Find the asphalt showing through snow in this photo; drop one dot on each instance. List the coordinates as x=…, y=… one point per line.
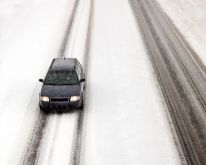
x=68, y=30
x=34, y=146
x=181, y=76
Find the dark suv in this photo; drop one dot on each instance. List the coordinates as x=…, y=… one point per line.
x=63, y=86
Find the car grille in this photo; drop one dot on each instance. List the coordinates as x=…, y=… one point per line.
x=59, y=99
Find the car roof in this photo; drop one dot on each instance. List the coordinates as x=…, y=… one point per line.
x=63, y=64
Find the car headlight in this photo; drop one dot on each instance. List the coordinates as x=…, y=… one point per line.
x=44, y=98
x=74, y=98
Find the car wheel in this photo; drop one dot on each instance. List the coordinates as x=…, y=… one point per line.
x=82, y=103
x=44, y=110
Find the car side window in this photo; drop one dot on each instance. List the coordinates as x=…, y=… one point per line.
x=78, y=70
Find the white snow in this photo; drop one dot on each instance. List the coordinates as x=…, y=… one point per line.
x=126, y=118
x=189, y=17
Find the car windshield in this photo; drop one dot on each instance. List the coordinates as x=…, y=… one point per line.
x=61, y=78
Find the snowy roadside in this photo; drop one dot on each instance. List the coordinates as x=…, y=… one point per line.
x=189, y=17
x=31, y=36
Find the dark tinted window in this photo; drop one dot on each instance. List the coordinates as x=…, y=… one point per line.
x=61, y=78
x=79, y=70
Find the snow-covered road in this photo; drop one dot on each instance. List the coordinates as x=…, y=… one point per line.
x=104, y=112
x=58, y=136
x=181, y=75
x=125, y=120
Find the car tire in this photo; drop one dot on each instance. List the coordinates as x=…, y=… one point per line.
x=82, y=103
x=44, y=110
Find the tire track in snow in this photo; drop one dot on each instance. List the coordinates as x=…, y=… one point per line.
x=77, y=139
x=68, y=30
x=34, y=145
x=181, y=76
x=33, y=149
x=77, y=145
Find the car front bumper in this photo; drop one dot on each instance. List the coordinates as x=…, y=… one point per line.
x=63, y=105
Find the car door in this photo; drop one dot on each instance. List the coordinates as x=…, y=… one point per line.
x=80, y=74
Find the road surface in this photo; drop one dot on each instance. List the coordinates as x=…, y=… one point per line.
x=181, y=76
x=145, y=94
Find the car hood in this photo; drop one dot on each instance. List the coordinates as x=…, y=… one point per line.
x=60, y=90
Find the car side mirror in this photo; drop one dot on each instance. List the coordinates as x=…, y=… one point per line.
x=41, y=80
x=82, y=80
